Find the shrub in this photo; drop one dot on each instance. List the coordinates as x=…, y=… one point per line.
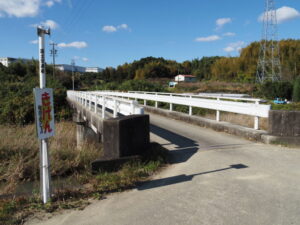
x=272, y=90
x=296, y=90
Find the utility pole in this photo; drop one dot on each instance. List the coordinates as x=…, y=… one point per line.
x=53, y=53
x=44, y=164
x=73, y=79
x=269, y=67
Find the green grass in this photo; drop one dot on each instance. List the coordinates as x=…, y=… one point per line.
x=295, y=106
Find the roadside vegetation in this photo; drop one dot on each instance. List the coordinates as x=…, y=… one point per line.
x=73, y=181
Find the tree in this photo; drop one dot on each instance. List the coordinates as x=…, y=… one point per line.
x=296, y=90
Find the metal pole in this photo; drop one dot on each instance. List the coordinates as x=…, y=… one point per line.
x=44, y=164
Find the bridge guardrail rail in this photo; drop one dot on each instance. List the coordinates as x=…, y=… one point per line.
x=246, y=106
x=92, y=101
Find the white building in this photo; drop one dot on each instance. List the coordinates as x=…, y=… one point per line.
x=93, y=70
x=185, y=78
x=6, y=61
x=69, y=68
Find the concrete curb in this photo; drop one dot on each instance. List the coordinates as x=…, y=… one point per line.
x=270, y=139
x=222, y=126
x=245, y=132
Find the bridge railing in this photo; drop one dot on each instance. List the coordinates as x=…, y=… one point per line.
x=225, y=104
x=204, y=95
x=92, y=101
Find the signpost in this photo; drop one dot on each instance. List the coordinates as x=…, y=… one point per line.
x=44, y=115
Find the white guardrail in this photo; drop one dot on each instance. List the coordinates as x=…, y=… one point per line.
x=246, y=106
x=93, y=100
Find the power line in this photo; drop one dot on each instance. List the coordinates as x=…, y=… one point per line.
x=79, y=12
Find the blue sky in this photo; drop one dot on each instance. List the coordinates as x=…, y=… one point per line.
x=110, y=33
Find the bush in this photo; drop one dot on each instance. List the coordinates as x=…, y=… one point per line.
x=272, y=90
x=141, y=85
x=296, y=90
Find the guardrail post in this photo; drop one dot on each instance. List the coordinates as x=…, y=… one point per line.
x=256, y=122
x=103, y=107
x=218, y=113
x=256, y=119
x=132, y=108
x=115, y=108
x=145, y=102
x=171, y=107
x=85, y=100
x=96, y=103
x=90, y=105
x=156, y=103
x=190, y=109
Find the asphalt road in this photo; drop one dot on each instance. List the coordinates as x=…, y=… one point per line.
x=215, y=179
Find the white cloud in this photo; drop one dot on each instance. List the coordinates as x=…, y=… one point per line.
x=123, y=26
x=111, y=28
x=34, y=42
x=50, y=3
x=85, y=59
x=229, y=34
x=75, y=44
x=284, y=14
x=19, y=8
x=50, y=23
x=47, y=24
x=222, y=21
x=208, y=39
x=234, y=47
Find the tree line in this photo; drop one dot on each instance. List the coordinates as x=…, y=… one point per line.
x=234, y=69
x=18, y=79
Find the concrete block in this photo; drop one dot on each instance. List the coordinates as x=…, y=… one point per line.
x=125, y=136
x=289, y=141
x=284, y=123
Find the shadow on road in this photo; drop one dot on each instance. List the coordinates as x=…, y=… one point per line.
x=181, y=178
x=185, y=147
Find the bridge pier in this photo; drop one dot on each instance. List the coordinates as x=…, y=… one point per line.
x=84, y=131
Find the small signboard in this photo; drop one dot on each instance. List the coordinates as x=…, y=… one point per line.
x=44, y=112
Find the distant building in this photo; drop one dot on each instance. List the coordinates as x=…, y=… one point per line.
x=185, y=78
x=69, y=68
x=6, y=61
x=93, y=70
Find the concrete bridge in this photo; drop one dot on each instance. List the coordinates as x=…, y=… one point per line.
x=214, y=178
x=93, y=110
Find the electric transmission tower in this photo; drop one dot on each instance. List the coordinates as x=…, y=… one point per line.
x=269, y=67
x=53, y=53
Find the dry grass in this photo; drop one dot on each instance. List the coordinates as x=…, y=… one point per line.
x=216, y=86
x=19, y=154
